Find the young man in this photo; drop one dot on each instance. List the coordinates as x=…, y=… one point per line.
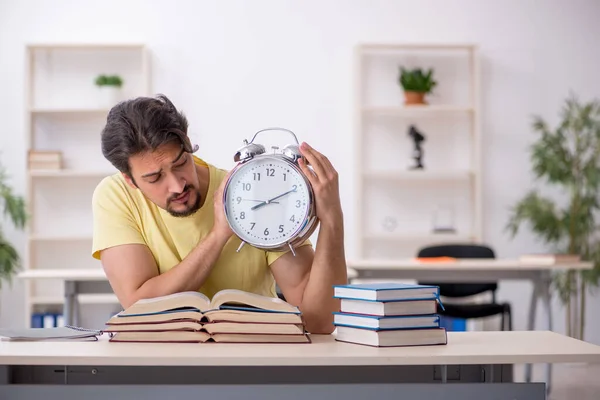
x=160, y=228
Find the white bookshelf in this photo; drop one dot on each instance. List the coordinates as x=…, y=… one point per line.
x=65, y=112
x=396, y=205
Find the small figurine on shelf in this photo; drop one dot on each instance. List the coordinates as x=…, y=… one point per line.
x=418, y=150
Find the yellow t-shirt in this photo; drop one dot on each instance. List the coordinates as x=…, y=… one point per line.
x=123, y=215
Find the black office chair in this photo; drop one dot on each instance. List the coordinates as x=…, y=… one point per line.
x=457, y=290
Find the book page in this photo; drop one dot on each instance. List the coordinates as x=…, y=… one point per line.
x=180, y=295
x=253, y=300
x=176, y=301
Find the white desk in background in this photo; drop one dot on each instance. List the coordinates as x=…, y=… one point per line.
x=471, y=271
x=76, y=282
x=472, y=365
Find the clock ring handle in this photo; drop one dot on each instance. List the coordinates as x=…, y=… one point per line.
x=276, y=129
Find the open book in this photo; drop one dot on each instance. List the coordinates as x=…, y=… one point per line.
x=232, y=316
x=228, y=299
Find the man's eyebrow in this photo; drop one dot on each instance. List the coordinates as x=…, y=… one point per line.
x=151, y=173
x=178, y=157
x=158, y=172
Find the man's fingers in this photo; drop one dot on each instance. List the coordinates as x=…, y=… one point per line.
x=315, y=159
x=322, y=165
x=308, y=172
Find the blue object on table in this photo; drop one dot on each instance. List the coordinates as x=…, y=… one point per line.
x=453, y=324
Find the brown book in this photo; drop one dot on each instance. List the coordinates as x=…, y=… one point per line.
x=211, y=328
x=549, y=259
x=204, y=337
x=208, y=316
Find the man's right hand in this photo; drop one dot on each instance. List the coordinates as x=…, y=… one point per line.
x=221, y=227
x=143, y=281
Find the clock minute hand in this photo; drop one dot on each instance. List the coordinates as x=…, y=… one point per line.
x=264, y=203
x=259, y=201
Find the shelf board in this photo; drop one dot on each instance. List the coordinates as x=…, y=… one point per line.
x=72, y=238
x=86, y=46
x=69, y=173
x=418, y=237
x=74, y=110
x=417, y=175
x=107, y=298
x=417, y=109
x=418, y=46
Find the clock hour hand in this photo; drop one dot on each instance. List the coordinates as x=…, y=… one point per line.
x=264, y=203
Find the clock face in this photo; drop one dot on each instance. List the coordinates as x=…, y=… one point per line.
x=267, y=201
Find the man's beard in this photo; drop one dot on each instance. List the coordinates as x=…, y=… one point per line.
x=191, y=209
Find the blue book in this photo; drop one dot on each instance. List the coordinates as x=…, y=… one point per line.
x=376, y=322
x=386, y=291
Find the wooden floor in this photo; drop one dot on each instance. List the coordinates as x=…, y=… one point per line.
x=569, y=381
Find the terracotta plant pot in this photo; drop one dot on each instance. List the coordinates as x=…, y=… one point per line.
x=414, y=98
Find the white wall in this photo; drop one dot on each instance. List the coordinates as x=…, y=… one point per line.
x=237, y=66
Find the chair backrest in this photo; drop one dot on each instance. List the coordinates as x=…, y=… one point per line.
x=457, y=251
x=460, y=251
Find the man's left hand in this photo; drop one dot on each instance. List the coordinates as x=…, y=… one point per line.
x=324, y=180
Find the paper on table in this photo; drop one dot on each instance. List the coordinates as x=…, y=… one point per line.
x=49, y=334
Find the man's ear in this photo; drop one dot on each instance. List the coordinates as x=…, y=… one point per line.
x=129, y=180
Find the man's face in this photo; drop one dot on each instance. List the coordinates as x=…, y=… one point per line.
x=168, y=177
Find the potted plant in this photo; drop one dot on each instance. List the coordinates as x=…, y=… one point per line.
x=14, y=209
x=567, y=156
x=416, y=84
x=109, y=87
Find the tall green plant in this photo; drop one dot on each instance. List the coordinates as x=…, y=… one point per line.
x=567, y=156
x=15, y=211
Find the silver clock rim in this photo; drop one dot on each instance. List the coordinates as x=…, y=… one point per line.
x=304, y=230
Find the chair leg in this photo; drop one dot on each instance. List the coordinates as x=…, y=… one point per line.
x=508, y=312
x=502, y=322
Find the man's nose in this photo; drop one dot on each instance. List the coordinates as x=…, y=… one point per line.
x=176, y=184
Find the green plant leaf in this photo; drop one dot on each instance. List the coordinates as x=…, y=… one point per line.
x=567, y=156
x=15, y=209
x=9, y=260
x=416, y=80
x=14, y=206
x=540, y=213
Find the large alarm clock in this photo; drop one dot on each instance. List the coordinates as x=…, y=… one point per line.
x=268, y=200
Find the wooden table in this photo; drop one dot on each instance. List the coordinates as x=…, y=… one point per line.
x=94, y=281
x=472, y=365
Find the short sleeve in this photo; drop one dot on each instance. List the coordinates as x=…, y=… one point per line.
x=113, y=220
x=272, y=256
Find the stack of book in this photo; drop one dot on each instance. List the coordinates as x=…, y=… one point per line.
x=388, y=314
x=232, y=316
x=45, y=160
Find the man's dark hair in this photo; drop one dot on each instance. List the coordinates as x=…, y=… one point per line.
x=142, y=124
